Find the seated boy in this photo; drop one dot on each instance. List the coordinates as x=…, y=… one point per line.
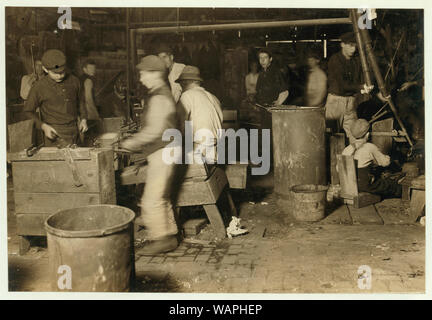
x=368, y=155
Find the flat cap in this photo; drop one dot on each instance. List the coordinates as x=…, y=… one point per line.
x=359, y=128
x=151, y=63
x=54, y=60
x=348, y=37
x=190, y=73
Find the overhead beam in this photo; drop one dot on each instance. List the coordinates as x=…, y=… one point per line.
x=245, y=25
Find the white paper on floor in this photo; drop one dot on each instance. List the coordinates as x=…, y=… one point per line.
x=235, y=229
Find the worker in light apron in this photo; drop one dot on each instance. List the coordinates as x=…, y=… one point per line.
x=59, y=98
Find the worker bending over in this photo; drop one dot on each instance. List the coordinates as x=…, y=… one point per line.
x=368, y=155
x=204, y=111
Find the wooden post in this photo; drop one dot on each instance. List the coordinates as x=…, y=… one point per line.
x=364, y=64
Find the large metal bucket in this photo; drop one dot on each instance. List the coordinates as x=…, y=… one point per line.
x=299, y=152
x=91, y=249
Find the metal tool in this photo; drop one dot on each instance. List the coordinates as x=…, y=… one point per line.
x=30, y=151
x=72, y=165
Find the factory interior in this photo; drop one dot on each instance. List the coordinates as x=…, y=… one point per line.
x=314, y=183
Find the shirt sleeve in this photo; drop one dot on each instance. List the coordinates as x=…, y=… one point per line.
x=155, y=122
x=379, y=158
x=30, y=106
x=82, y=110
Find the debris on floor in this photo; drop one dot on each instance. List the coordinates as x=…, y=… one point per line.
x=235, y=229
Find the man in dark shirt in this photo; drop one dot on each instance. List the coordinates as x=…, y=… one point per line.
x=59, y=97
x=345, y=84
x=271, y=88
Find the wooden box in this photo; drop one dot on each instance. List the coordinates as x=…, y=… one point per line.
x=44, y=184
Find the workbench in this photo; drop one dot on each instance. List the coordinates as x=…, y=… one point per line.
x=47, y=182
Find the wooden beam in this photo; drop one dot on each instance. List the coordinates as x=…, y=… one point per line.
x=246, y=25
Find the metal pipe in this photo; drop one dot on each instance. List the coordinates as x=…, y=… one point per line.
x=366, y=71
x=134, y=56
x=128, y=71
x=375, y=68
x=246, y=25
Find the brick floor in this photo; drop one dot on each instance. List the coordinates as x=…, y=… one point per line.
x=292, y=257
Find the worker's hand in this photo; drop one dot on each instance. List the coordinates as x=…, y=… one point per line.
x=83, y=126
x=32, y=79
x=366, y=89
x=382, y=98
x=49, y=131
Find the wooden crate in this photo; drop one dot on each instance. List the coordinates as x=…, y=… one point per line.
x=44, y=184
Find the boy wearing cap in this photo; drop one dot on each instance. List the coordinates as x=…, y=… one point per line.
x=157, y=213
x=204, y=110
x=344, y=85
x=59, y=97
x=175, y=69
x=367, y=155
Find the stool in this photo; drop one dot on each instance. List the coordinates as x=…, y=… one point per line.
x=201, y=187
x=346, y=168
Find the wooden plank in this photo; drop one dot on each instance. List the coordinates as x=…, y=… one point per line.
x=36, y=203
x=347, y=175
x=105, y=164
x=54, y=176
x=365, y=215
x=216, y=220
x=20, y=135
x=54, y=154
x=193, y=227
x=382, y=142
x=217, y=182
x=417, y=204
x=339, y=216
x=194, y=193
x=31, y=224
x=365, y=199
x=337, y=145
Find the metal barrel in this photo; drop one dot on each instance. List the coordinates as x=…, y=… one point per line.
x=91, y=249
x=299, y=153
